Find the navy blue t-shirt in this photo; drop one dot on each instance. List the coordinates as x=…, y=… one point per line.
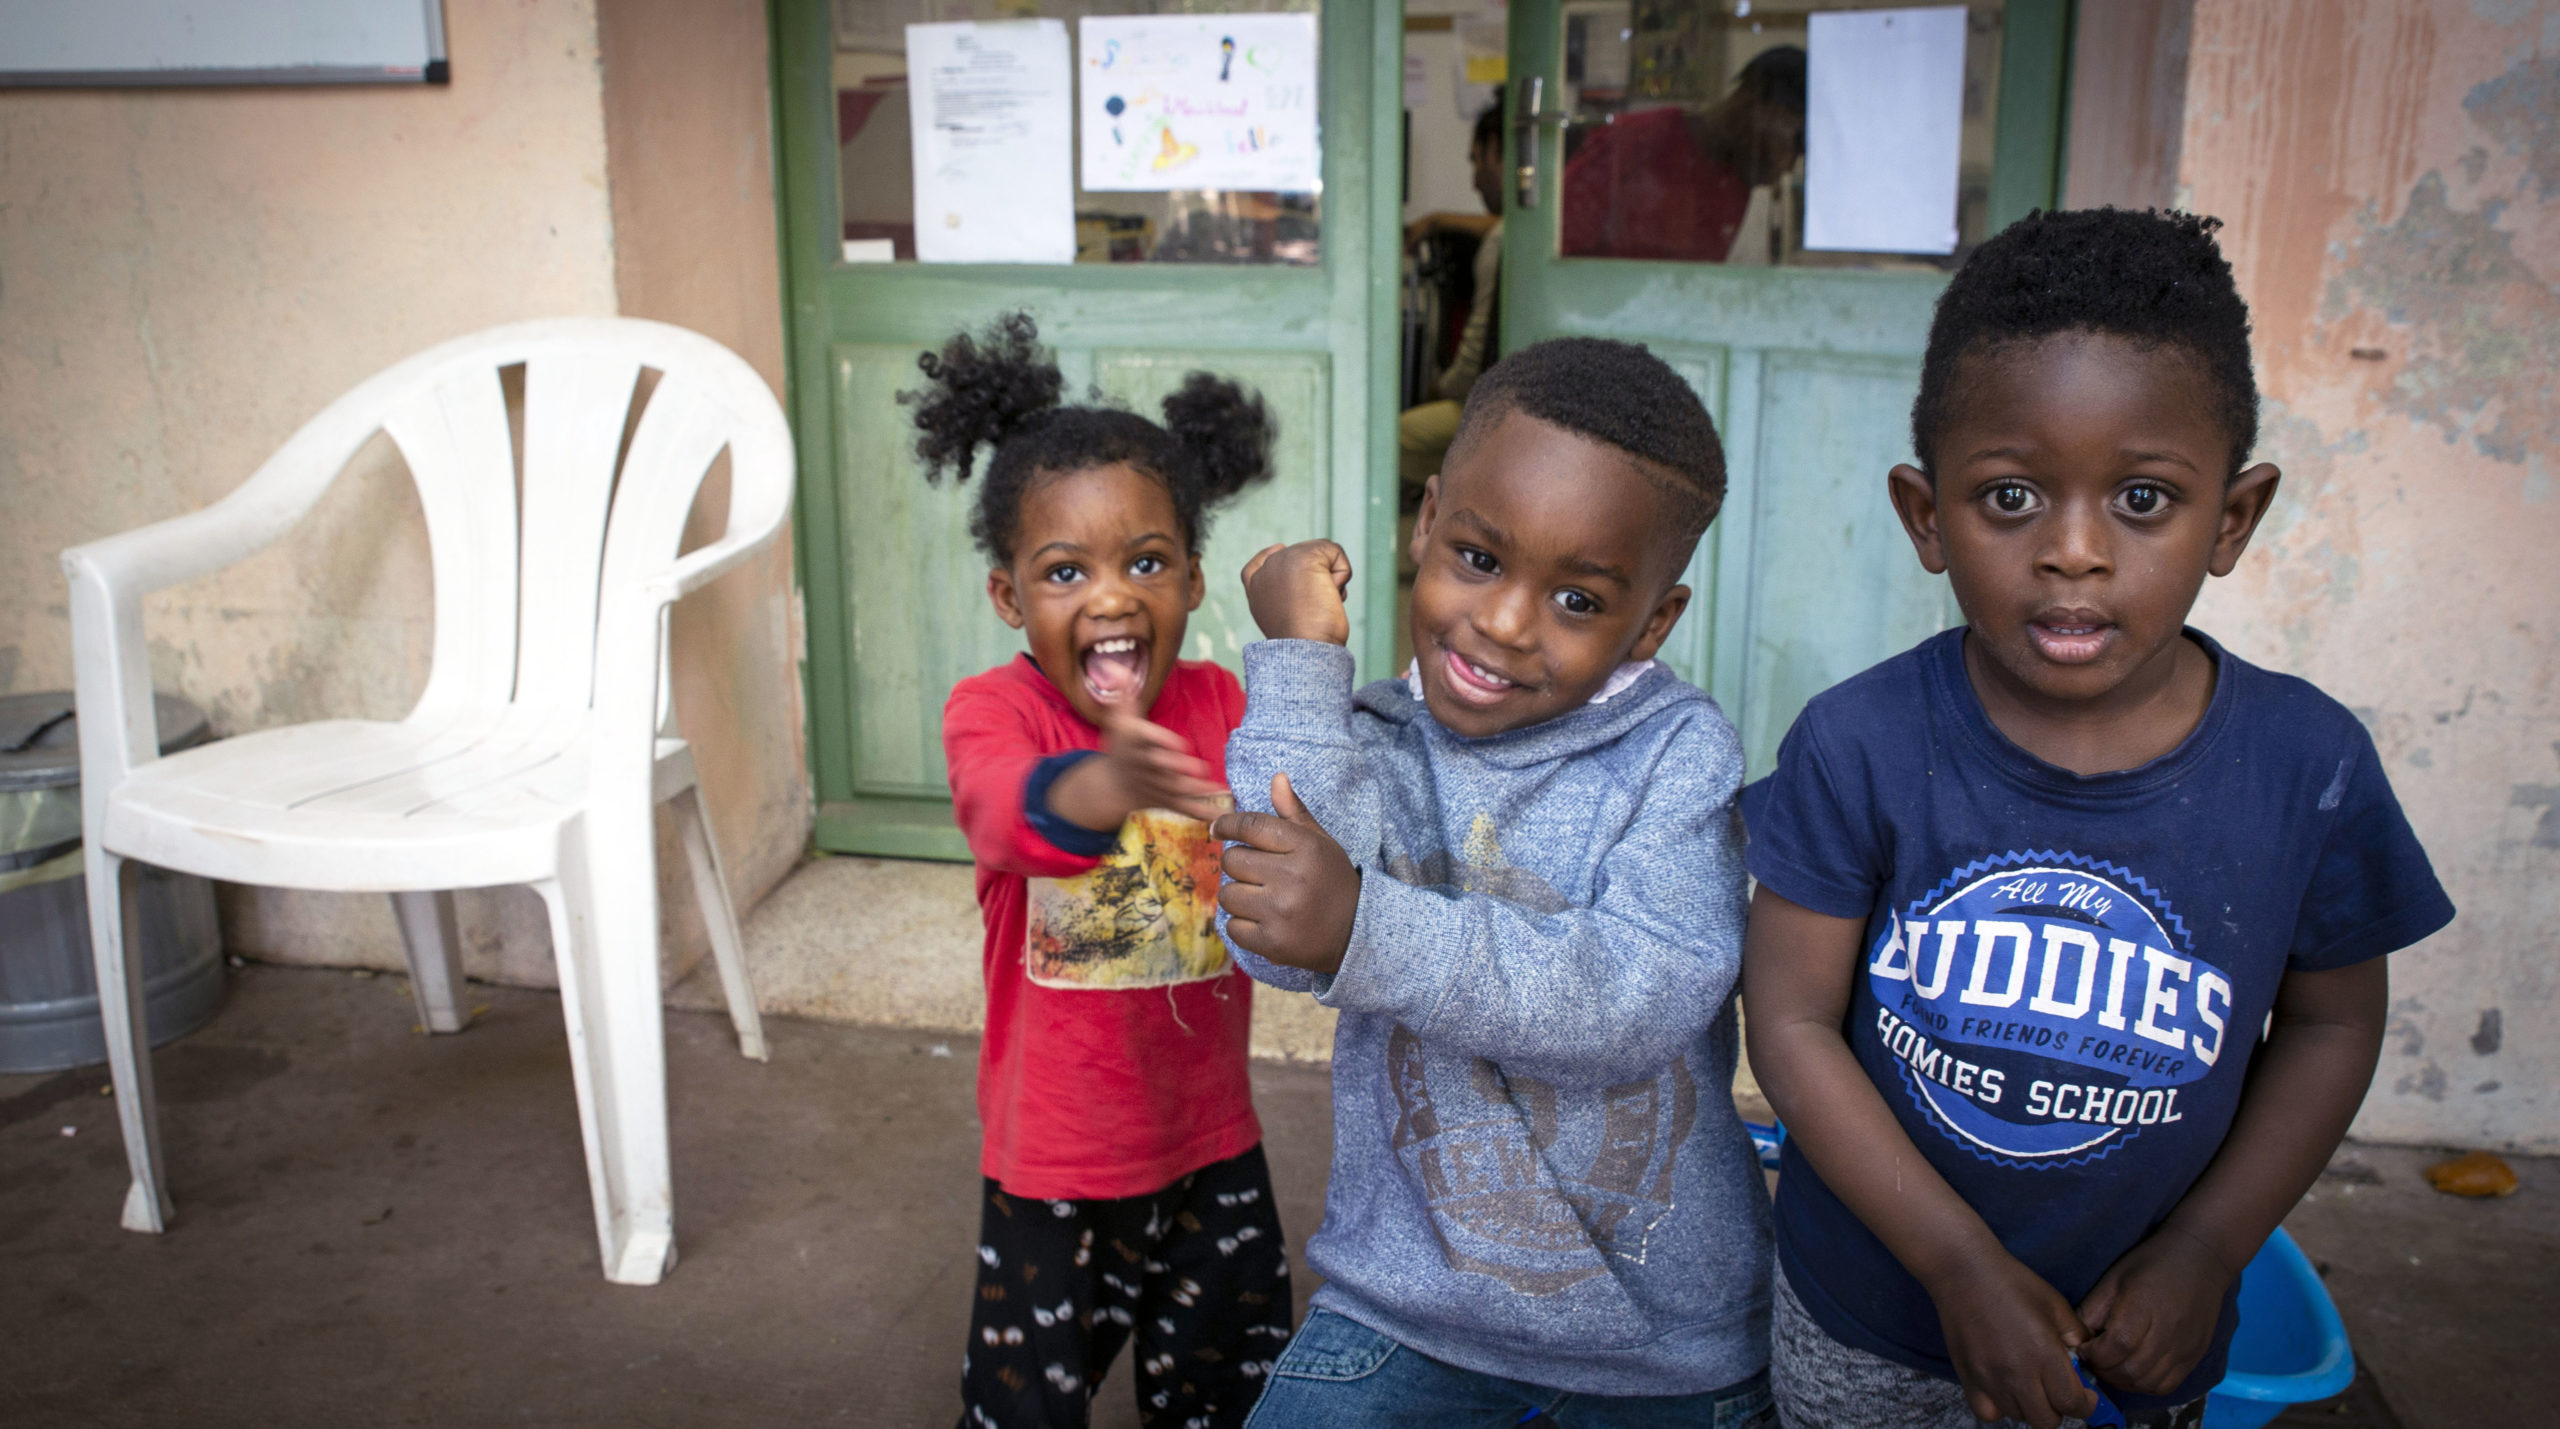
x=2064, y=977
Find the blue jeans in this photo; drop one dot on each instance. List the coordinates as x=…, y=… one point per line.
x=1340, y=1374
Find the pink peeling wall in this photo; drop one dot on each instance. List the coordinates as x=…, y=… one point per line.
x=187, y=276
x=2391, y=176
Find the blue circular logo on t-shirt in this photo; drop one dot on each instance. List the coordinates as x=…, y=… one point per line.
x=2043, y=1009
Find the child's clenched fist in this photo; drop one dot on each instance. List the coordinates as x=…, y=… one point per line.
x=1296, y=592
x=1293, y=891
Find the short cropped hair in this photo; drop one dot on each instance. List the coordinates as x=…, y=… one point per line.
x=2157, y=279
x=1620, y=395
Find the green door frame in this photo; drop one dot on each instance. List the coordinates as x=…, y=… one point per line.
x=1362, y=74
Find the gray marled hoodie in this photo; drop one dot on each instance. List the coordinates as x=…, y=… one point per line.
x=1537, y=1169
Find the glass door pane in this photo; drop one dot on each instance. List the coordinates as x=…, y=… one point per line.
x=1683, y=131
x=875, y=165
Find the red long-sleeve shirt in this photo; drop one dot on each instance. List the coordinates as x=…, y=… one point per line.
x=1114, y=1058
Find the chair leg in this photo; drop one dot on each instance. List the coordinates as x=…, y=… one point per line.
x=728, y=949
x=605, y=941
x=433, y=943
x=113, y=917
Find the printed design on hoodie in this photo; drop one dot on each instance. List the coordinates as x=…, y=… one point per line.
x=2044, y=1009
x=1479, y=868
x=1146, y=916
x=1533, y=1187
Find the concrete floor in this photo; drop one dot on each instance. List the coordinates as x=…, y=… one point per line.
x=380, y=1228
x=375, y=1227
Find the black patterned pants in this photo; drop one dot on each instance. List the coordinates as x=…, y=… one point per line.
x=1196, y=1273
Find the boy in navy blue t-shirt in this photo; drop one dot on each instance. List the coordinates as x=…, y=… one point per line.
x=2029, y=892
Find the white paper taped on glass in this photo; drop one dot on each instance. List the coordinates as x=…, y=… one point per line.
x=1884, y=120
x=1199, y=102
x=991, y=106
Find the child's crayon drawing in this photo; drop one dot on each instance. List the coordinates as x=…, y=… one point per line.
x=1240, y=88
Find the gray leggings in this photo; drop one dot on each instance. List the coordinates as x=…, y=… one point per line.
x=1821, y=1383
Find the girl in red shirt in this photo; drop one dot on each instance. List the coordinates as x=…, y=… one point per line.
x=1126, y=1191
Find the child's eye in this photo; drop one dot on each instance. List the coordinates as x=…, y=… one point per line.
x=2011, y=499
x=1146, y=565
x=1063, y=575
x=1481, y=561
x=1575, y=602
x=2144, y=500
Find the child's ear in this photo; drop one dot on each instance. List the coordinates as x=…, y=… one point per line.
x=1199, y=585
x=1422, y=519
x=1002, y=595
x=2244, y=505
x=1915, y=500
x=1657, y=625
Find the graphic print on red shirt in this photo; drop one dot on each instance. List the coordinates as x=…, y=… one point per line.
x=1145, y=916
x=1114, y=1058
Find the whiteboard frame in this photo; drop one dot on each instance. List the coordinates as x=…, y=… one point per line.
x=437, y=70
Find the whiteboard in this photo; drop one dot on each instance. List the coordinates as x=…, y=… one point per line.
x=155, y=42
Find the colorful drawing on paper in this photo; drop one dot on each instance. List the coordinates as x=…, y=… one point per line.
x=1199, y=102
x=1146, y=917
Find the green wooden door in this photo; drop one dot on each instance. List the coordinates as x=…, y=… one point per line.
x=896, y=596
x=1808, y=361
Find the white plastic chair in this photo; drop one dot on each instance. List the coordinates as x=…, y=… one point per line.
x=540, y=747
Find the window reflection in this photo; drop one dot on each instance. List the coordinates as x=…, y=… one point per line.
x=1685, y=136
x=1677, y=181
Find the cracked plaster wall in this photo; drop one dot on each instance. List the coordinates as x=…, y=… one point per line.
x=2391, y=176
x=186, y=276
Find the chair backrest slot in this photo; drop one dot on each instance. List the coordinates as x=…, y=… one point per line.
x=576, y=402
x=454, y=436
x=670, y=452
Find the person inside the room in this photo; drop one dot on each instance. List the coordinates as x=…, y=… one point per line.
x=1674, y=183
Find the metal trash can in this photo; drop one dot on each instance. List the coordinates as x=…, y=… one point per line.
x=48, y=976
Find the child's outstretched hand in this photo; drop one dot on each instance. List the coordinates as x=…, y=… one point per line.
x=2153, y=1313
x=1294, y=891
x=1296, y=592
x=2011, y=1336
x=1143, y=766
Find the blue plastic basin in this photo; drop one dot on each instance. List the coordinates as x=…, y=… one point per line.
x=2291, y=1347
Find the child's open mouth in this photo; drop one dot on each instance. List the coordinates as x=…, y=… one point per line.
x=1115, y=669
x=2070, y=640
x=1473, y=683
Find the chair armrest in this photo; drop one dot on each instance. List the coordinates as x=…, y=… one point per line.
x=630, y=701
x=111, y=681
x=111, y=668
x=702, y=567
x=149, y=558
x=253, y=516
x=760, y=497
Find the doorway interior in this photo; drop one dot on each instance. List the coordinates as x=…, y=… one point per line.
x=1807, y=358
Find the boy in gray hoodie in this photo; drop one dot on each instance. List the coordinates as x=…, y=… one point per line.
x=1517, y=874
